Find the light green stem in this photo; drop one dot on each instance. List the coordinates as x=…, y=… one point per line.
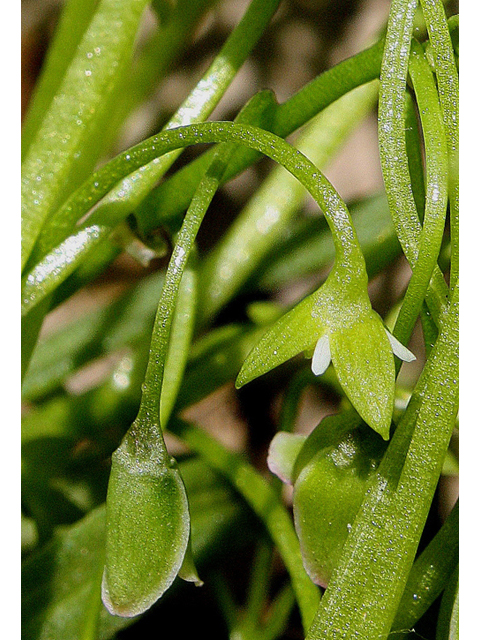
x=52, y=270
x=259, y=226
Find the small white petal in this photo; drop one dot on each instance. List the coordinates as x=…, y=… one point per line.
x=283, y=452
x=399, y=350
x=321, y=356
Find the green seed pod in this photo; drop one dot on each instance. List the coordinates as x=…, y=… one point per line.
x=329, y=475
x=148, y=526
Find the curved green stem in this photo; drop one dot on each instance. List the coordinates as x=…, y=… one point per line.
x=171, y=198
x=47, y=274
x=258, y=227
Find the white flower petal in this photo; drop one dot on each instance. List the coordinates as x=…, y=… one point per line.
x=283, y=452
x=321, y=356
x=399, y=349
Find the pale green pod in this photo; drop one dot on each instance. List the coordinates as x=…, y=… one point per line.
x=329, y=471
x=327, y=495
x=148, y=527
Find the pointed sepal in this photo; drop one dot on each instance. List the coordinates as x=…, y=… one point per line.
x=294, y=332
x=363, y=361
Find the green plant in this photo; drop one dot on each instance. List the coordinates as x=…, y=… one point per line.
x=111, y=519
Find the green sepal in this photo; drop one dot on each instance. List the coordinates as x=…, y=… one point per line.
x=148, y=526
x=188, y=570
x=294, y=332
x=360, y=350
x=364, y=364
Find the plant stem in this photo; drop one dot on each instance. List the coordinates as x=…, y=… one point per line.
x=171, y=198
x=259, y=225
x=55, y=267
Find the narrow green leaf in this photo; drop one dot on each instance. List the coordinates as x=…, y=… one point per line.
x=436, y=160
x=429, y=574
x=69, y=123
x=392, y=144
x=448, y=627
x=73, y=22
x=448, y=92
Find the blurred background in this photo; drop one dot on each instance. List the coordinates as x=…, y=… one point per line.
x=305, y=38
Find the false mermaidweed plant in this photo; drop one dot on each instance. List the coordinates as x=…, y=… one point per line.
x=111, y=517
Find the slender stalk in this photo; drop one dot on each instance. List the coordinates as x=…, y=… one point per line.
x=55, y=267
x=260, y=224
x=171, y=198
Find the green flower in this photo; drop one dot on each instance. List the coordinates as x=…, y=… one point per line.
x=337, y=323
